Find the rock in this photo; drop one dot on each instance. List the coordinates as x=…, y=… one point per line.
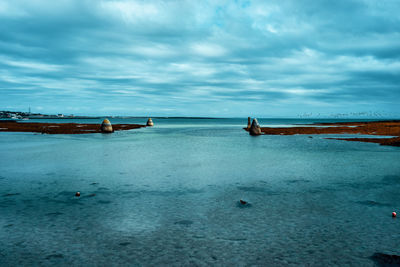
x=382, y=259
x=243, y=204
x=149, y=122
x=248, y=123
x=106, y=127
x=255, y=128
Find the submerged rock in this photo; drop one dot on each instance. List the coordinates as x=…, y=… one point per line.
x=106, y=126
x=255, y=128
x=382, y=259
x=149, y=122
x=243, y=204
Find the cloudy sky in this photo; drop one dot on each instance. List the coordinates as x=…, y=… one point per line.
x=200, y=58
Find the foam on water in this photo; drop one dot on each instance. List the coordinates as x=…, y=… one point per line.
x=169, y=196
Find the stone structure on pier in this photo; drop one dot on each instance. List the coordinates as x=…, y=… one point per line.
x=149, y=122
x=255, y=128
x=106, y=127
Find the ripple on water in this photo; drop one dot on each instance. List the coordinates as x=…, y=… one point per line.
x=54, y=214
x=258, y=189
x=184, y=222
x=54, y=256
x=243, y=206
x=103, y=189
x=66, y=193
x=297, y=181
x=391, y=179
x=90, y=195
x=7, y=202
x=104, y=201
x=372, y=203
x=11, y=194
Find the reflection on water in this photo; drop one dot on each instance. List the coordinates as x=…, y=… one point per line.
x=169, y=195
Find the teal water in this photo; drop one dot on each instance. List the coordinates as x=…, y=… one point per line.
x=168, y=195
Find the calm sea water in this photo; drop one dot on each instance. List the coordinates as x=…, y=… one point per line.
x=168, y=195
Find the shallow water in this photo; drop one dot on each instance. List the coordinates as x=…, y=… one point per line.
x=169, y=195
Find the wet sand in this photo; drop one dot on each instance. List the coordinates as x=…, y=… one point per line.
x=380, y=128
x=60, y=128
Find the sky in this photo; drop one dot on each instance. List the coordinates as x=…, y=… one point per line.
x=201, y=58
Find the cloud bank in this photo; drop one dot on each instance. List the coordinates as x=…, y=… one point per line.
x=216, y=58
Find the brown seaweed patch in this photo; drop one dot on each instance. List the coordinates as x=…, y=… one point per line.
x=381, y=128
x=60, y=128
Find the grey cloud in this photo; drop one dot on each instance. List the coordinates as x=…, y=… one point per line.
x=182, y=52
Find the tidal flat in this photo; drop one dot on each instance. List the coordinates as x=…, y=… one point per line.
x=388, y=128
x=170, y=195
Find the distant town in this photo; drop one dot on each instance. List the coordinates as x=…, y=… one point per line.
x=20, y=115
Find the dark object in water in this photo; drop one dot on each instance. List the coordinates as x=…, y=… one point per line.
x=382, y=259
x=242, y=204
x=310, y=137
x=77, y=194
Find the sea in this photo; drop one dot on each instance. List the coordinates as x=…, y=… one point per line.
x=169, y=195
